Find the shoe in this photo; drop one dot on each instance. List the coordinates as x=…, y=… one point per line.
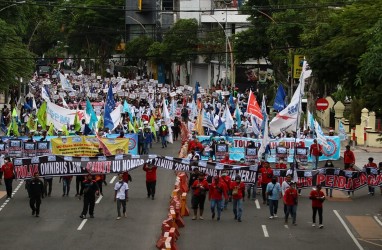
x=294, y=224
x=83, y=216
x=369, y=193
x=118, y=218
x=213, y=215
x=372, y=194
x=124, y=215
x=201, y=218
x=92, y=216
x=348, y=196
x=235, y=217
x=152, y=198
x=239, y=220
x=218, y=218
x=63, y=195
x=331, y=196
x=314, y=224
x=275, y=216
x=193, y=217
x=33, y=212
x=271, y=217
x=37, y=215
x=321, y=226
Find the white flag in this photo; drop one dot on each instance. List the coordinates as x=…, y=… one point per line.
x=206, y=122
x=228, y=118
x=341, y=131
x=167, y=121
x=34, y=106
x=265, y=140
x=321, y=139
x=44, y=94
x=65, y=84
x=64, y=104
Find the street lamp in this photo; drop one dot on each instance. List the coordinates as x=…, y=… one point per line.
x=16, y=3
x=135, y=20
x=226, y=41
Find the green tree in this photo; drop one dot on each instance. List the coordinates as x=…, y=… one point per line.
x=137, y=49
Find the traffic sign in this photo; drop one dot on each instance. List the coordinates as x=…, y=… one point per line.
x=322, y=104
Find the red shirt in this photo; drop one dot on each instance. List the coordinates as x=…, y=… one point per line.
x=290, y=196
x=125, y=176
x=196, y=186
x=7, y=169
x=314, y=195
x=266, y=175
x=371, y=165
x=281, y=166
x=349, y=157
x=226, y=160
x=240, y=188
x=217, y=191
x=151, y=173
x=226, y=182
x=315, y=149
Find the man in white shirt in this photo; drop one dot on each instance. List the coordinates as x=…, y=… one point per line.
x=121, y=196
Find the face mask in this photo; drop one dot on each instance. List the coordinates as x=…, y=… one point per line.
x=273, y=181
x=237, y=181
x=224, y=174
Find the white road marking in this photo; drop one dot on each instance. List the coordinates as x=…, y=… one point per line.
x=82, y=224
x=348, y=230
x=257, y=204
x=99, y=199
x=112, y=180
x=265, y=231
x=378, y=221
x=286, y=226
x=13, y=193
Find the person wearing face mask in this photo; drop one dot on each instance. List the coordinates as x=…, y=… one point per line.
x=199, y=190
x=121, y=196
x=226, y=182
x=89, y=189
x=237, y=191
x=216, y=193
x=151, y=179
x=36, y=189
x=273, y=191
x=329, y=191
x=284, y=186
x=266, y=177
x=290, y=198
x=7, y=169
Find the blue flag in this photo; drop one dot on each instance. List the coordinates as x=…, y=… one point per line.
x=126, y=109
x=231, y=102
x=90, y=111
x=237, y=115
x=264, y=113
x=197, y=85
x=280, y=99
x=221, y=127
x=109, y=107
x=220, y=97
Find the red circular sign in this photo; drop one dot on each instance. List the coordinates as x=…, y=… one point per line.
x=322, y=104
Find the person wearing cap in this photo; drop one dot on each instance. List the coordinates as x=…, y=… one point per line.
x=318, y=198
x=366, y=168
x=290, y=198
x=199, y=191
x=237, y=191
x=273, y=191
x=216, y=193
x=349, y=158
x=7, y=170
x=36, y=192
x=89, y=189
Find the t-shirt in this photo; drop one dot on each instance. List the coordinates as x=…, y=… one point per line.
x=121, y=191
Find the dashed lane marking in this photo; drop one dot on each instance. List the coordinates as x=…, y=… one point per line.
x=348, y=230
x=112, y=180
x=266, y=235
x=13, y=194
x=82, y=224
x=99, y=199
x=257, y=204
x=377, y=220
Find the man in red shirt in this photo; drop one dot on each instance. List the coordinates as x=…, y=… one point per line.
x=237, y=190
x=315, y=153
x=370, y=164
x=226, y=182
x=226, y=159
x=151, y=179
x=318, y=198
x=7, y=169
x=290, y=201
x=216, y=193
x=199, y=191
x=349, y=158
x=266, y=177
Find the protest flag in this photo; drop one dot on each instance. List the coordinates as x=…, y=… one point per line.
x=152, y=126
x=253, y=107
x=90, y=112
x=109, y=107
x=131, y=127
x=77, y=124
x=50, y=130
x=237, y=115
x=41, y=115
x=65, y=130
x=279, y=103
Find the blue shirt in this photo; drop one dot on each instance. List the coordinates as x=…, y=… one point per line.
x=276, y=191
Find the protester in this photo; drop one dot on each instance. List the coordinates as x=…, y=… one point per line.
x=329, y=191
x=349, y=158
x=237, y=191
x=291, y=201
x=273, y=191
x=36, y=187
x=372, y=165
x=163, y=133
x=315, y=153
x=318, y=198
x=199, y=191
x=7, y=169
x=89, y=190
x=226, y=182
x=193, y=176
x=266, y=177
x=48, y=181
x=151, y=179
x=66, y=181
x=121, y=196
x=216, y=194
x=285, y=186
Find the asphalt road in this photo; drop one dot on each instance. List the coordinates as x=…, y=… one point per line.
x=59, y=222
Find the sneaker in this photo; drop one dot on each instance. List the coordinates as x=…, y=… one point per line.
x=275, y=216
x=239, y=220
x=193, y=217
x=33, y=212
x=152, y=198
x=294, y=224
x=314, y=224
x=218, y=218
x=37, y=215
x=235, y=217
x=63, y=195
x=201, y=218
x=271, y=217
x=118, y=218
x=82, y=216
x=92, y=216
x=124, y=215
x=321, y=226
x=213, y=215
x=348, y=196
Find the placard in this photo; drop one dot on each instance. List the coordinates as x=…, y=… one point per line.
x=251, y=155
x=172, y=94
x=98, y=77
x=220, y=151
x=29, y=149
x=163, y=90
x=15, y=148
x=132, y=96
x=42, y=148
x=160, y=85
x=3, y=148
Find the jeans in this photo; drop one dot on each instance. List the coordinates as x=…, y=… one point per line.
x=145, y=148
x=319, y=210
x=120, y=203
x=237, y=208
x=163, y=140
x=292, y=211
x=35, y=200
x=252, y=188
x=263, y=192
x=315, y=161
x=273, y=205
x=66, y=186
x=8, y=187
x=219, y=206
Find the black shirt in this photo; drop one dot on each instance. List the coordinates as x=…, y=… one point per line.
x=36, y=188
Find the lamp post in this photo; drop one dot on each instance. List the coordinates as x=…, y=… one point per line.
x=226, y=41
x=14, y=4
x=135, y=20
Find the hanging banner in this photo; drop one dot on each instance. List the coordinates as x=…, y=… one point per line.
x=238, y=145
x=85, y=145
x=60, y=116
